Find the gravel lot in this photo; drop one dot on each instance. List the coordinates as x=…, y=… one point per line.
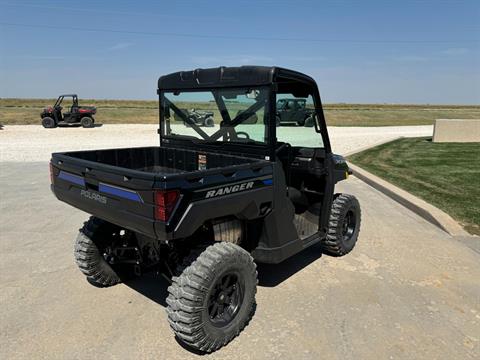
x=34, y=143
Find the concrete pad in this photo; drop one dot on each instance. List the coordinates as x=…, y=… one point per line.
x=407, y=291
x=456, y=130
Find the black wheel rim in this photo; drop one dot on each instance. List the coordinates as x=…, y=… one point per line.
x=349, y=224
x=225, y=300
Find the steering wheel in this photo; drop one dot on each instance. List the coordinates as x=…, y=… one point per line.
x=247, y=137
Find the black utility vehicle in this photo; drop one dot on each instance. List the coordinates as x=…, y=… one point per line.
x=294, y=111
x=199, y=117
x=52, y=116
x=202, y=207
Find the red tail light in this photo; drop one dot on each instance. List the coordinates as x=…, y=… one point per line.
x=165, y=201
x=51, y=173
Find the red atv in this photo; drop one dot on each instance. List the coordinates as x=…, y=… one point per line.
x=52, y=116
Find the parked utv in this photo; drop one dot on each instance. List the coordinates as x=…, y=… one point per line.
x=201, y=118
x=52, y=116
x=203, y=208
x=291, y=110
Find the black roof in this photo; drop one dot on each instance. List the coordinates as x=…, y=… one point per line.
x=230, y=76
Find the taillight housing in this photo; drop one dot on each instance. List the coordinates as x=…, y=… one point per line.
x=165, y=201
x=52, y=175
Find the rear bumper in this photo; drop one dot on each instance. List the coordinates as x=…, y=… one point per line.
x=129, y=215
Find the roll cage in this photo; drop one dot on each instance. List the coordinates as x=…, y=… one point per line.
x=61, y=97
x=276, y=80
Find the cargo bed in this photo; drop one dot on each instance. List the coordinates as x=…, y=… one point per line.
x=158, y=160
x=119, y=185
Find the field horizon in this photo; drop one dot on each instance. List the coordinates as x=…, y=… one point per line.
x=26, y=111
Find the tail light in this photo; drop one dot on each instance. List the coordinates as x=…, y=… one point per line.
x=51, y=173
x=165, y=201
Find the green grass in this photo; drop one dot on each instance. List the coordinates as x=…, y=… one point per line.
x=27, y=111
x=447, y=175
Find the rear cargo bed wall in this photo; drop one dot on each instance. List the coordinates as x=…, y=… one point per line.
x=150, y=158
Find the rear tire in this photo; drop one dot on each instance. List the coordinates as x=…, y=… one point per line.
x=48, y=123
x=87, y=122
x=213, y=298
x=343, y=226
x=89, y=258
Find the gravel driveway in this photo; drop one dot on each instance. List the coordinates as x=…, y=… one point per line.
x=34, y=143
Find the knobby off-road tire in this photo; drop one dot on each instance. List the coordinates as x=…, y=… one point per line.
x=343, y=226
x=209, y=122
x=48, y=122
x=87, y=122
x=88, y=257
x=213, y=298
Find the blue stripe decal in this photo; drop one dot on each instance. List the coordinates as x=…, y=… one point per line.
x=268, y=181
x=71, y=178
x=124, y=193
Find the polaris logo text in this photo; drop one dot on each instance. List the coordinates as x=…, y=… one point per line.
x=93, y=196
x=229, y=189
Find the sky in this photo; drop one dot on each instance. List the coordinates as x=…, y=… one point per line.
x=358, y=51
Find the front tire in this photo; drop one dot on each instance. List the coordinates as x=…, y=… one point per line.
x=278, y=121
x=213, y=298
x=309, y=122
x=343, y=226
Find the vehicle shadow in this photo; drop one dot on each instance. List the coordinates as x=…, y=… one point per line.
x=154, y=286
x=77, y=125
x=271, y=275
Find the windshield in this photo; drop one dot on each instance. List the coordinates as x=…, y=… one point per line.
x=228, y=115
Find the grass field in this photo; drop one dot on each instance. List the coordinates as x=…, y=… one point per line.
x=27, y=111
x=446, y=175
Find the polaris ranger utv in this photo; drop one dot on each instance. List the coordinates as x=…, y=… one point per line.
x=294, y=111
x=201, y=118
x=52, y=116
x=208, y=203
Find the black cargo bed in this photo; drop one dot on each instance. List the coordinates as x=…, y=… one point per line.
x=158, y=160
